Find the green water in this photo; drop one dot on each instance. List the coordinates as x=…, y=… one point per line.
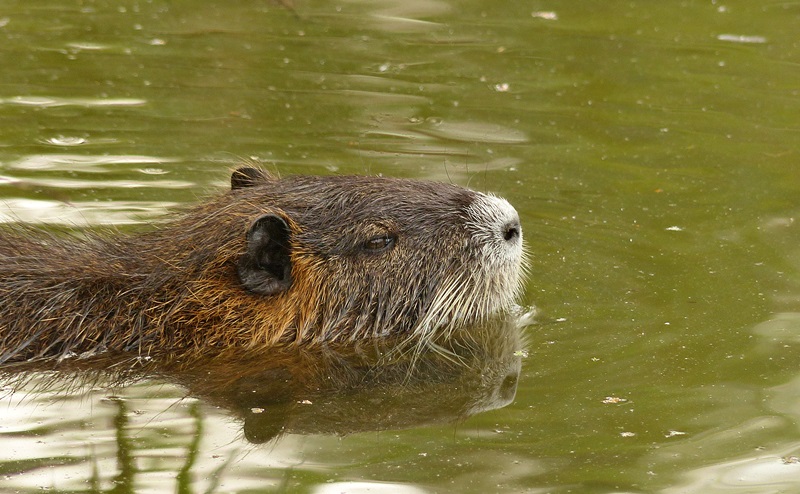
x=651, y=149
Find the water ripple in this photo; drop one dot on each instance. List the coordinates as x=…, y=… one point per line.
x=53, y=101
x=84, y=163
x=81, y=213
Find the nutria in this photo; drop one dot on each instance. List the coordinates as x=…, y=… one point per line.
x=301, y=259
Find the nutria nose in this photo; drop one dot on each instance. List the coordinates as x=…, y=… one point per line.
x=512, y=231
x=495, y=224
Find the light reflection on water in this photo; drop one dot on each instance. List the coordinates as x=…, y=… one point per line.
x=82, y=213
x=88, y=449
x=48, y=102
x=83, y=163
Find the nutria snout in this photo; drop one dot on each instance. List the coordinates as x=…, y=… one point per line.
x=301, y=259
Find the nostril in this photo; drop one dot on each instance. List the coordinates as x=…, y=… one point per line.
x=511, y=231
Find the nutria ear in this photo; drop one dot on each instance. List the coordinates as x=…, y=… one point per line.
x=266, y=267
x=247, y=176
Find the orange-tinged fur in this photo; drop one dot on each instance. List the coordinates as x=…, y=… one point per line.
x=179, y=286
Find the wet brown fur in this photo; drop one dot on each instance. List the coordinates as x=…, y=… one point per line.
x=176, y=286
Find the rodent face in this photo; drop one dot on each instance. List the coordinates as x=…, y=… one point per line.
x=354, y=257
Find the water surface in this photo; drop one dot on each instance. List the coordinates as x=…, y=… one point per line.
x=651, y=149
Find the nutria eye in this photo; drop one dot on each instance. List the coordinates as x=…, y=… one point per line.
x=379, y=243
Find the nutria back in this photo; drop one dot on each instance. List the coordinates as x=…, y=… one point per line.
x=297, y=260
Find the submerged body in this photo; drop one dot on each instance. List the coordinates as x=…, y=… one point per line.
x=296, y=260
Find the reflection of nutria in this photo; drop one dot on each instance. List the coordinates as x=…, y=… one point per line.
x=323, y=391
x=300, y=259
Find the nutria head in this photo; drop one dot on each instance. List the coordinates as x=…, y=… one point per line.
x=300, y=259
x=343, y=258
